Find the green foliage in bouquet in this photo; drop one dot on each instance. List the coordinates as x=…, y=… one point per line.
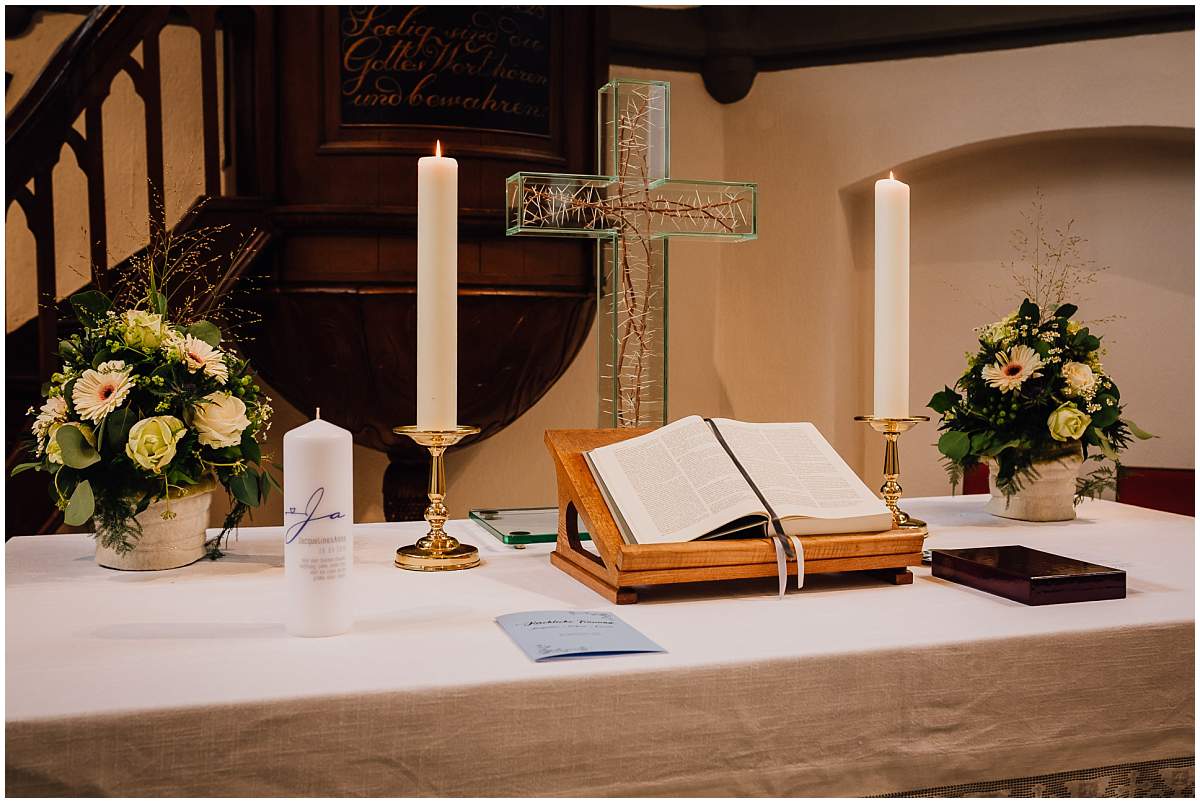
x=145, y=407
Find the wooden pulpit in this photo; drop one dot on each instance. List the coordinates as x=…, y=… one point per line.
x=360, y=93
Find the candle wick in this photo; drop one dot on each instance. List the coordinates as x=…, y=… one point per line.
x=318, y=413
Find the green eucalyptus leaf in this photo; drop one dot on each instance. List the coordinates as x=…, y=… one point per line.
x=250, y=448
x=1138, y=432
x=90, y=307
x=245, y=488
x=955, y=445
x=980, y=442
x=81, y=506
x=996, y=448
x=944, y=400
x=1106, y=446
x=1108, y=413
x=76, y=451
x=206, y=331
x=116, y=429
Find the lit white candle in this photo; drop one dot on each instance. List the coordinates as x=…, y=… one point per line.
x=437, y=292
x=318, y=529
x=891, y=298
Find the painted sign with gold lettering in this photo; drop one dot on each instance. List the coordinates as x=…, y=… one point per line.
x=484, y=67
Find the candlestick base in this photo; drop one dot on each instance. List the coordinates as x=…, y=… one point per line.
x=892, y=429
x=437, y=551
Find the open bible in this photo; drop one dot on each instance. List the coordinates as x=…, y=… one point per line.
x=702, y=478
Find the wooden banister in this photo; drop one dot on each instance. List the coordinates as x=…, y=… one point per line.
x=76, y=82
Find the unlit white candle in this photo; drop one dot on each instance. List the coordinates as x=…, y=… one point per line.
x=437, y=292
x=318, y=535
x=891, y=298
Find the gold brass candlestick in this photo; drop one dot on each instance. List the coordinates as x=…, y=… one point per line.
x=892, y=429
x=437, y=551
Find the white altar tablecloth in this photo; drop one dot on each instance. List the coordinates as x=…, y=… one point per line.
x=184, y=682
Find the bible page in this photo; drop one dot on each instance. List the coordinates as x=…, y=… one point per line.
x=675, y=484
x=800, y=474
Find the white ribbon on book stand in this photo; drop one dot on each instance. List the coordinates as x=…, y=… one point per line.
x=781, y=558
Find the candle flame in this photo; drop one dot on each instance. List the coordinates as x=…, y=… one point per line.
x=318, y=412
x=891, y=175
x=438, y=150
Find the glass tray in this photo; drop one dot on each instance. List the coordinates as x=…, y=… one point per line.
x=523, y=525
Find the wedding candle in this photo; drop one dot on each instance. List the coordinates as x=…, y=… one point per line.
x=318, y=537
x=891, y=298
x=437, y=292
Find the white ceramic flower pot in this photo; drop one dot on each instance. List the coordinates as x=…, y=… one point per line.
x=1051, y=497
x=165, y=543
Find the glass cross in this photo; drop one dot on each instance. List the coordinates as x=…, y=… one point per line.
x=633, y=208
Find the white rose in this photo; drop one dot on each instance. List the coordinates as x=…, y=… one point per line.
x=219, y=420
x=153, y=441
x=1079, y=376
x=142, y=330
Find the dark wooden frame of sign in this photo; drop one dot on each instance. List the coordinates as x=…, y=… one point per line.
x=340, y=279
x=416, y=139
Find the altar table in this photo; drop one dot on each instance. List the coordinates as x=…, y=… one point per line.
x=184, y=682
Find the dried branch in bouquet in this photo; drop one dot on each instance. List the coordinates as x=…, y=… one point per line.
x=1051, y=268
x=190, y=267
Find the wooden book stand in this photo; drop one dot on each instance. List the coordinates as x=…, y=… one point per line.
x=621, y=568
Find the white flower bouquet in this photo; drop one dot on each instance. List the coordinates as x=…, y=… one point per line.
x=144, y=409
x=1034, y=391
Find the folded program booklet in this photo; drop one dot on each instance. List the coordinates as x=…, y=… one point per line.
x=707, y=478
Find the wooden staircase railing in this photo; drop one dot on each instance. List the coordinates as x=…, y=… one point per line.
x=75, y=83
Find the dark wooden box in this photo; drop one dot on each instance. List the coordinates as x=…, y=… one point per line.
x=1028, y=575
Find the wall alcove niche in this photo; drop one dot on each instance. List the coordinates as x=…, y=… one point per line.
x=1129, y=191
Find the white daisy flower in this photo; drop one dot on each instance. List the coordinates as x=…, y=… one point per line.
x=172, y=343
x=54, y=411
x=198, y=355
x=1011, y=369
x=97, y=394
